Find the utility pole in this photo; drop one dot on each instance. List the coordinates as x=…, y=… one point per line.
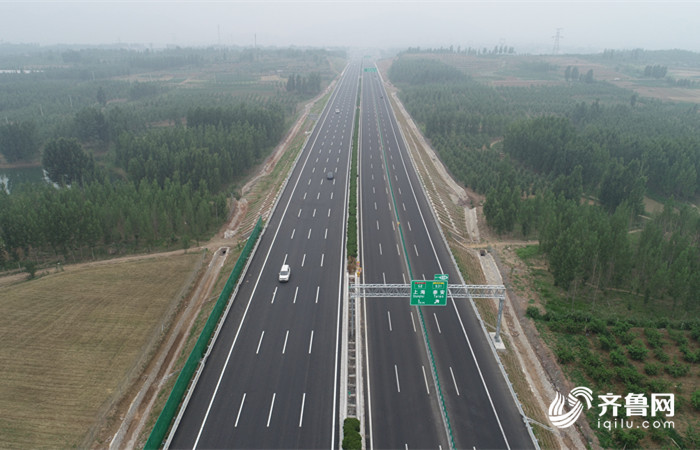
x=556, y=38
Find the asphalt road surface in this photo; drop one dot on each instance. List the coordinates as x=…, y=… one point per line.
x=272, y=378
x=403, y=403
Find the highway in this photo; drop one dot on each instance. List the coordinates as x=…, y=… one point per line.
x=402, y=404
x=272, y=377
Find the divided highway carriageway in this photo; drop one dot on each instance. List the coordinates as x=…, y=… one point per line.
x=272, y=377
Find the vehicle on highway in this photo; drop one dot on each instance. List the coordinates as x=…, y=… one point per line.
x=329, y=175
x=285, y=272
x=337, y=111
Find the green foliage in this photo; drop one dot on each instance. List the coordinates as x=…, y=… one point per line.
x=533, y=312
x=661, y=355
x=66, y=163
x=618, y=358
x=352, y=440
x=695, y=399
x=564, y=353
x=608, y=343
x=651, y=368
x=653, y=337
x=18, y=141
x=677, y=369
x=352, y=201
x=637, y=350
x=30, y=268
x=307, y=85
x=423, y=71
x=629, y=438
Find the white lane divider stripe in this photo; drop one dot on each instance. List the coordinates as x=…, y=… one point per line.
x=284, y=347
x=453, y=380
x=260, y=342
x=239, y=411
x=272, y=406
x=301, y=414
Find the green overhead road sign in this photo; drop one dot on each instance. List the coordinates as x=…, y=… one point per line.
x=370, y=69
x=441, y=277
x=427, y=292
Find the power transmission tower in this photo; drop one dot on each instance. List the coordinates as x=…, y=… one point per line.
x=556, y=38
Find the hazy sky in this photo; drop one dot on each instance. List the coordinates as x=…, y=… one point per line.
x=525, y=25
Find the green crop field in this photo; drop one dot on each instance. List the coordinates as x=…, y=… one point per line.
x=71, y=339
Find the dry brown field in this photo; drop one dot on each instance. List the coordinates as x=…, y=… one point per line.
x=72, y=341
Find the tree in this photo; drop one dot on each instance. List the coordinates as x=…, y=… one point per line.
x=66, y=163
x=567, y=73
x=589, y=76
x=18, y=141
x=101, y=96
x=574, y=74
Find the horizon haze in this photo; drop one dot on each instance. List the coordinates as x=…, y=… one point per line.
x=529, y=27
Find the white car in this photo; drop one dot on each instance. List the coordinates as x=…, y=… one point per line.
x=285, y=272
x=337, y=111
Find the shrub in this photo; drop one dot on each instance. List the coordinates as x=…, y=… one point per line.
x=621, y=327
x=678, y=337
x=689, y=355
x=637, y=350
x=607, y=343
x=598, y=326
x=564, y=353
x=627, y=338
x=658, y=385
x=629, y=438
x=695, y=332
x=695, y=399
x=653, y=337
x=677, y=369
x=618, y=358
x=651, y=369
x=533, y=312
x=661, y=355
x=629, y=375
x=351, y=434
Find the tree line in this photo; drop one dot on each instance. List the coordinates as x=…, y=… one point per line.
x=172, y=188
x=573, y=174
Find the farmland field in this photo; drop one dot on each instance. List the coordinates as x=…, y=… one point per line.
x=71, y=341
